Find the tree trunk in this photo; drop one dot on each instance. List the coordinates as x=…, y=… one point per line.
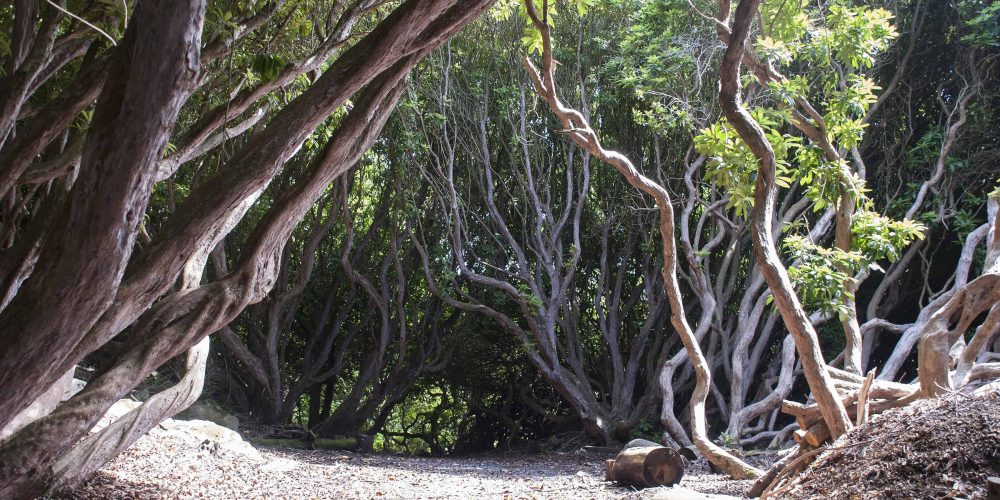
x=765, y=193
x=934, y=357
x=92, y=238
x=98, y=449
x=580, y=131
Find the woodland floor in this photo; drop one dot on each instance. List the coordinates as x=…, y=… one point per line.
x=165, y=468
x=941, y=448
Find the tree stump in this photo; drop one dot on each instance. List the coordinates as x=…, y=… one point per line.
x=646, y=467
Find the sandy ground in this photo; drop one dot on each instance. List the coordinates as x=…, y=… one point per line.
x=165, y=467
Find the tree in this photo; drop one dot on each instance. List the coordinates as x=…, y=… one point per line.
x=98, y=285
x=578, y=129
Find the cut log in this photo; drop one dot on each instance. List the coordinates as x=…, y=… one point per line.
x=646, y=467
x=797, y=409
x=817, y=435
x=805, y=423
x=810, y=412
x=800, y=437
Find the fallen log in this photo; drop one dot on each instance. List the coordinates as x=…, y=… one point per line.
x=646, y=467
x=764, y=481
x=879, y=388
x=736, y=452
x=860, y=406
x=809, y=413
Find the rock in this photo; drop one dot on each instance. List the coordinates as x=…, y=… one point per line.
x=116, y=411
x=207, y=435
x=195, y=433
x=210, y=410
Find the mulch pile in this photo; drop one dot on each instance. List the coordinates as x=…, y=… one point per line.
x=942, y=448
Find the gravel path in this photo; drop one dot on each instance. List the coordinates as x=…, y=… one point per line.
x=162, y=466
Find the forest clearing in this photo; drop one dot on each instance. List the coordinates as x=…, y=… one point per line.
x=499, y=248
x=968, y=430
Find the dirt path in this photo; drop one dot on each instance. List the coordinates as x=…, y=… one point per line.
x=161, y=466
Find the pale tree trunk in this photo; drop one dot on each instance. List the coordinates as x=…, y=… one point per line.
x=782, y=388
x=911, y=334
x=942, y=342
x=765, y=193
x=579, y=130
x=842, y=241
x=540, y=260
x=95, y=450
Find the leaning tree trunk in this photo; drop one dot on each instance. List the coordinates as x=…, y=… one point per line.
x=180, y=320
x=765, y=194
x=95, y=450
x=92, y=238
x=580, y=131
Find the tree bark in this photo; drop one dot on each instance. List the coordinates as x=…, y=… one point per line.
x=765, y=193
x=92, y=238
x=939, y=336
x=99, y=448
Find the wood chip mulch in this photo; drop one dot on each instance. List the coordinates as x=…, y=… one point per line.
x=942, y=448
